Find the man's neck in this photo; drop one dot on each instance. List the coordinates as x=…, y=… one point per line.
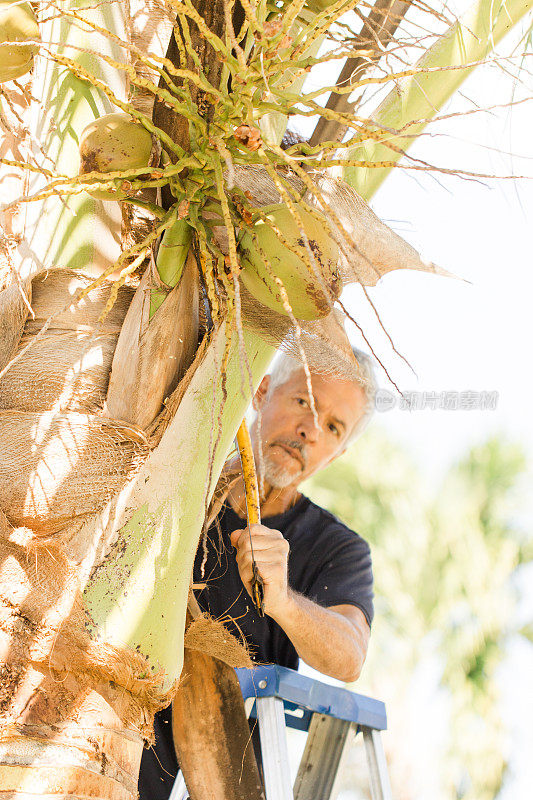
x=273, y=501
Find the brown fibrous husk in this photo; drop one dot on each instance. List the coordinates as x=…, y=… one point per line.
x=210, y=636
x=63, y=371
x=45, y=631
x=55, y=467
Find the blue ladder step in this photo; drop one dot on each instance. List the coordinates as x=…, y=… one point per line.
x=299, y=692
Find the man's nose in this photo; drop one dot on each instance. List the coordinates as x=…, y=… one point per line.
x=307, y=430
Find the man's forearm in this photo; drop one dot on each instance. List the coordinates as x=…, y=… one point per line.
x=323, y=638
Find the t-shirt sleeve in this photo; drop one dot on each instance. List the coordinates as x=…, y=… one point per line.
x=345, y=573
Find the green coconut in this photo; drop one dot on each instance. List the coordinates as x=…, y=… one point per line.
x=116, y=143
x=309, y=297
x=18, y=23
x=316, y=6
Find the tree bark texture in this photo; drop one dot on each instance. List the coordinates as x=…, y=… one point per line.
x=211, y=733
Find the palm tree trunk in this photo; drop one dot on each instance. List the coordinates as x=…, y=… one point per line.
x=93, y=669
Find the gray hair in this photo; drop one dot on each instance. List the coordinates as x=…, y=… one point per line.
x=363, y=376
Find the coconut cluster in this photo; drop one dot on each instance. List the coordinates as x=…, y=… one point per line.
x=280, y=260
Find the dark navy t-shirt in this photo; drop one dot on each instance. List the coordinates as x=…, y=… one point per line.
x=328, y=563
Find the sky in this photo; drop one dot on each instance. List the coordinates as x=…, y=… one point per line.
x=462, y=336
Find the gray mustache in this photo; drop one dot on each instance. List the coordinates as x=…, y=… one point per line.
x=294, y=444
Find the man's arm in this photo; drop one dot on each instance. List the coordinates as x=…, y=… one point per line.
x=332, y=640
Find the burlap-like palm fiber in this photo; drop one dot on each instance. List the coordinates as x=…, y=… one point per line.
x=55, y=467
x=57, y=464
x=374, y=249
x=62, y=371
x=42, y=618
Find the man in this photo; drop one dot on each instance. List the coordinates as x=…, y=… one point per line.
x=316, y=572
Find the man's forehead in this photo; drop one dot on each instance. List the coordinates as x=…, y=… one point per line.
x=339, y=392
x=298, y=378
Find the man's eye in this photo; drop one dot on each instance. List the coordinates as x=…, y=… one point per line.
x=333, y=428
x=302, y=401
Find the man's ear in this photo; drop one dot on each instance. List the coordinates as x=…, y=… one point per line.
x=262, y=391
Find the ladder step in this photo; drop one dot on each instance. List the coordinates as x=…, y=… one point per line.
x=324, y=747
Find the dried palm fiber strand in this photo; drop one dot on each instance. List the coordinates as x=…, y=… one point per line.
x=61, y=371
x=369, y=248
x=209, y=636
x=55, y=467
x=14, y=309
x=152, y=355
x=228, y=478
x=73, y=711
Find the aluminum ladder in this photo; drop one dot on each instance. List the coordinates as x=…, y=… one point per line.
x=273, y=694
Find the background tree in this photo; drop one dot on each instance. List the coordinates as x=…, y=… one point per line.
x=446, y=565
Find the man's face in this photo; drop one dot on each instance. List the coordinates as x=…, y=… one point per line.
x=293, y=447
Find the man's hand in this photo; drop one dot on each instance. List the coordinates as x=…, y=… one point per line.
x=271, y=552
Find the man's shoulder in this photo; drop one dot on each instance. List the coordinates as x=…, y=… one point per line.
x=319, y=522
x=331, y=563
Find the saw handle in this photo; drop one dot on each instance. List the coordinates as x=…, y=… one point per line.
x=253, y=510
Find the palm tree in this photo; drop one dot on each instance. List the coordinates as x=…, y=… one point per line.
x=130, y=347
